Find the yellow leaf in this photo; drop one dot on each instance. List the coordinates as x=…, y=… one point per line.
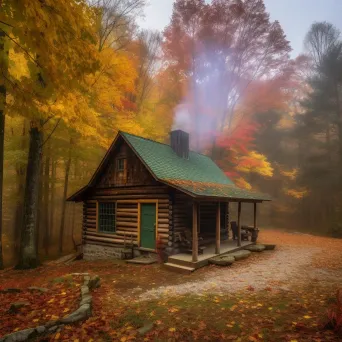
x=54, y=317
x=76, y=340
x=259, y=304
x=270, y=308
x=36, y=320
x=307, y=317
x=57, y=336
x=172, y=329
x=63, y=293
x=51, y=300
x=66, y=310
x=123, y=339
x=294, y=341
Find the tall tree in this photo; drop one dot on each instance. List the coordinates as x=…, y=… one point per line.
x=319, y=131
x=116, y=21
x=321, y=37
x=65, y=192
x=45, y=44
x=220, y=49
x=4, y=51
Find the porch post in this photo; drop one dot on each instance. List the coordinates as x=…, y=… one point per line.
x=218, y=229
x=194, y=232
x=255, y=215
x=239, y=225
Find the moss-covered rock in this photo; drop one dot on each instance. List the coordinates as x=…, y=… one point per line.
x=222, y=260
x=240, y=255
x=255, y=248
x=270, y=247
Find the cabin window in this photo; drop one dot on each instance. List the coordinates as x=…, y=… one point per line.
x=106, y=217
x=121, y=171
x=120, y=164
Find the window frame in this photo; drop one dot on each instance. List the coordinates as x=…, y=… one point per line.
x=118, y=169
x=98, y=213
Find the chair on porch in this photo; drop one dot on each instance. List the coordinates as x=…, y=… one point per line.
x=244, y=232
x=185, y=239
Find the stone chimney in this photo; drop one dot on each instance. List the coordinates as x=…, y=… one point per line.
x=180, y=143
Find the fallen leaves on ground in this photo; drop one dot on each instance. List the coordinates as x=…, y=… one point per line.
x=249, y=314
x=38, y=308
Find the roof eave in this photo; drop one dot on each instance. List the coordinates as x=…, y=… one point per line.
x=74, y=197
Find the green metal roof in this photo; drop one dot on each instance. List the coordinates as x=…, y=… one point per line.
x=198, y=175
x=166, y=164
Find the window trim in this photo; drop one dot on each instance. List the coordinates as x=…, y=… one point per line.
x=98, y=216
x=121, y=174
x=118, y=160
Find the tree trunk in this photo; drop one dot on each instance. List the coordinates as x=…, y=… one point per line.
x=53, y=196
x=65, y=191
x=28, y=257
x=20, y=181
x=4, y=72
x=2, y=136
x=40, y=205
x=73, y=226
x=46, y=238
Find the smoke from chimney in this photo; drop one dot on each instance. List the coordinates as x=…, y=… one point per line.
x=181, y=118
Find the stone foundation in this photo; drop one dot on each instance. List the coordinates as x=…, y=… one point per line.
x=96, y=252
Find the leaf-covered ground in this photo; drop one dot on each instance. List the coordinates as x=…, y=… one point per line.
x=60, y=299
x=273, y=296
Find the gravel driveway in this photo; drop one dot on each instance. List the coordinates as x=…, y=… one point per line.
x=279, y=269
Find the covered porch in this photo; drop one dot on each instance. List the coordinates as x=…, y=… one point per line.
x=185, y=259
x=199, y=250
x=218, y=245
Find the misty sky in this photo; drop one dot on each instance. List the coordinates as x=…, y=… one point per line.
x=295, y=16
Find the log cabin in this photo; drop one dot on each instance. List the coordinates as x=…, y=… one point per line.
x=156, y=196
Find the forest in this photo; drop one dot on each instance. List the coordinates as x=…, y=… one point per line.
x=74, y=73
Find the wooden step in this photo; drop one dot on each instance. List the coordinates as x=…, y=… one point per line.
x=178, y=268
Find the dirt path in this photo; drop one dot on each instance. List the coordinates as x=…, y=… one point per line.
x=281, y=269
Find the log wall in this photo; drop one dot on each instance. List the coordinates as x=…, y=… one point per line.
x=127, y=215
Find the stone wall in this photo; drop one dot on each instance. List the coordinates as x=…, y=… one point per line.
x=95, y=252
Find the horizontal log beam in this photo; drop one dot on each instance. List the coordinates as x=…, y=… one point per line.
x=163, y=230
x=137, y=191
x=126, y=224
x=161, y=220
x=103, y=239
x=133, y=197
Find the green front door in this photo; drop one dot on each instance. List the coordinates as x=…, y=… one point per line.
x=148, y=225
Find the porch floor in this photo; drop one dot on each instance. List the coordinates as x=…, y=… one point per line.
x=227, y=246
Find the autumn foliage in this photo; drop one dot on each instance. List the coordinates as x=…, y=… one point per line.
x=37, y=307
